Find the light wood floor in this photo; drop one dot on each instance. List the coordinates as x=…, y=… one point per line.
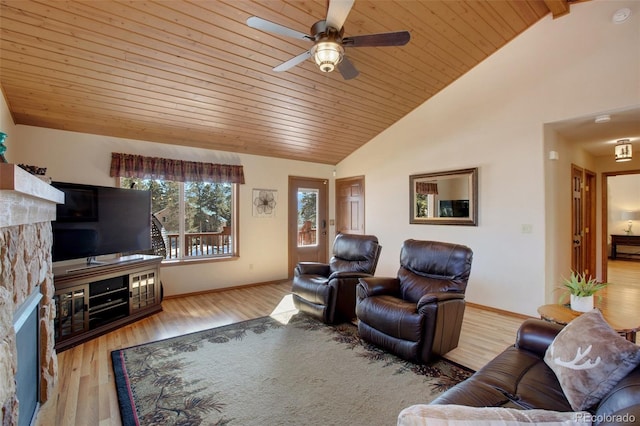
x=86, y=395
x=623, y=271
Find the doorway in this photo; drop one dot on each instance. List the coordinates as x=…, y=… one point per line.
x=583, y=221
x=308, y=211
x=350, y=205
x=612, y=222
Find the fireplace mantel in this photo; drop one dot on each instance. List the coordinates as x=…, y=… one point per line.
x=27, y=206
x=24, y=198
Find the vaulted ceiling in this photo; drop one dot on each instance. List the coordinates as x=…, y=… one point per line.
x=193, y=73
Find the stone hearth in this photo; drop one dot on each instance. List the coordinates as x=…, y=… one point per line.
x=27, y=207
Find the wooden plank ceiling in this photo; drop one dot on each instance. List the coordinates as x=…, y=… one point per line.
x=193, y=73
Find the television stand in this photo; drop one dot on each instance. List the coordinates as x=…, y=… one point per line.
x=92, y=300
x=92, y=262
x=130, y=257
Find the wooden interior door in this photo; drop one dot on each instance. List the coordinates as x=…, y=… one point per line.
x=350, y=205
x=577, y=215
x=589, y=238
x=308, y=212
x=583, y=221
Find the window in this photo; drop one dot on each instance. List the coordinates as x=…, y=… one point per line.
x=307, y=217
x=195, y=219
x=425, y=205
x=194, y=204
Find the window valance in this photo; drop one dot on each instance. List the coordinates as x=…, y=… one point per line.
x=426, y=188
x=138, y=166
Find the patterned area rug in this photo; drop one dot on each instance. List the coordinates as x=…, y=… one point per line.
x=292, y=371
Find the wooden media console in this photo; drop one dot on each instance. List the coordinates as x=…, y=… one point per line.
x=94, y=299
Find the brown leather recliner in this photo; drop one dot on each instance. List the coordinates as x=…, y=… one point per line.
x=328, y=291
x=418, y=314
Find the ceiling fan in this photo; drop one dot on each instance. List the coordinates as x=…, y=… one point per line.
x=328, y=47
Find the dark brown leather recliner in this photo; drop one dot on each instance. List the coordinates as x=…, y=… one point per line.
x=328, y=291
x=417, y=315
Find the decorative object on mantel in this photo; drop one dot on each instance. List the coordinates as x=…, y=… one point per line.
x=3, y=148
x=581, y=290
x=34, y=170
x=630, y=216
x=264, y=202
x=623, y=150
x=37, y=171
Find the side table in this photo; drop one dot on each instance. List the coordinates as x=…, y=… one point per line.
x=623, y=240
x=619, y=304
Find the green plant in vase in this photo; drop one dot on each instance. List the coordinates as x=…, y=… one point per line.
x=581, y=290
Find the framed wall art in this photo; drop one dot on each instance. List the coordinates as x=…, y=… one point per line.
x=264, y=202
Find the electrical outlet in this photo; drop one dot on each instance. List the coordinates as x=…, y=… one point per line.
x=527, y=228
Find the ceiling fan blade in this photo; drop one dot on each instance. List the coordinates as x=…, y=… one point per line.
x=338, y=12
x=293, y=62
x=347, y=69
x=272, y=27
x=399, y=38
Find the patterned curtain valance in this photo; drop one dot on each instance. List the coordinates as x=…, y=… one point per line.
x=426, y=188
x=138, y=166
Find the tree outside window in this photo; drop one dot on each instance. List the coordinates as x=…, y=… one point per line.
x=307, y=217
x=204, y=209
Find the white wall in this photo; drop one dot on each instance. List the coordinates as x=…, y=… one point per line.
x=493, y=118
x=558, y=190
x=85, y=158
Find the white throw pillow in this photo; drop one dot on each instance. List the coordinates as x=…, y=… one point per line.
x=459, y=415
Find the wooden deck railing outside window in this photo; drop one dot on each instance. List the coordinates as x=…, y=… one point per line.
x=199, y=244
x=306, y=237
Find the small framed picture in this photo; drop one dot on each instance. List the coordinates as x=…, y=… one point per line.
x=264, y=202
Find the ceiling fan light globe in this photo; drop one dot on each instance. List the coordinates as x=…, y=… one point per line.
x=327, y=67
x=327, y=54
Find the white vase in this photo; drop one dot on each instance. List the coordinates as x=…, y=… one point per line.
x=581, y=304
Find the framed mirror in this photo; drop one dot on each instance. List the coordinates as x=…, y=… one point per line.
x=444, y=198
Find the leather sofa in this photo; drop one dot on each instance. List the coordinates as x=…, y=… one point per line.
x=519, y=378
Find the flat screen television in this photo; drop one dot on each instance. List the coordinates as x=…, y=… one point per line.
x=454, y=208
x=100, y=220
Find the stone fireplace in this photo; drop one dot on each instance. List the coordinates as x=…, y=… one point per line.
x=27, y=207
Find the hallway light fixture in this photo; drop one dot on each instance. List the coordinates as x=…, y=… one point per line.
x=623, y=151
